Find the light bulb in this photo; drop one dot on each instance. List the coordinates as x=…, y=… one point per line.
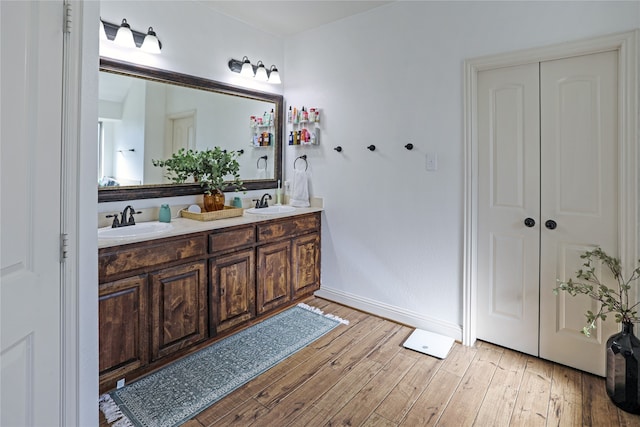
x=124, y=36
x=274, y=76
x=151, y=43
x=247, y=68
x=261, y=72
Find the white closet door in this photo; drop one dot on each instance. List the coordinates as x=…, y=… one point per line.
x=579, y=155
x=508, y=194
x=31, y=146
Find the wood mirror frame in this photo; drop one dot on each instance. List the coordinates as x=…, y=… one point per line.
x=112, y=194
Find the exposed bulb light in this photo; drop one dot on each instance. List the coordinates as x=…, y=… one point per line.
x=261, y=72
x=151, y=44
x=103, y=33
x=124, y=36
x=274, y=75
x=247, y=68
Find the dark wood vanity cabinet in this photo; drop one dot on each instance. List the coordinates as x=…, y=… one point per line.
x=305, y=264
x=274, y=275
x=162, y=299
x=178, y=308
x=233, y=289
x=123, y=338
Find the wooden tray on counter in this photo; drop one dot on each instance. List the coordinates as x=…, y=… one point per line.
x=227, y=212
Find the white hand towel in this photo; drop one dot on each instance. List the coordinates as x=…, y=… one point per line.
x=300, y=191
x=262, y=173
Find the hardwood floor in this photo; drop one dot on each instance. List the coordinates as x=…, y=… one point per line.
x=360, y=375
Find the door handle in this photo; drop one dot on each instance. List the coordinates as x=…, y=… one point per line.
x=529, y=222
x=551, y=224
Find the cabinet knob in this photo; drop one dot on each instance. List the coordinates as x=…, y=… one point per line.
x=338, y=149
x=551, y=224
x=371, y=147
x=409, y=146
x=529, y=222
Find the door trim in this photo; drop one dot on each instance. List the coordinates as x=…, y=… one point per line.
x=626, y=44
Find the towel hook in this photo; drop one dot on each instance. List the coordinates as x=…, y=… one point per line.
x=240, y=152
x=303, y=157
x=258, y=161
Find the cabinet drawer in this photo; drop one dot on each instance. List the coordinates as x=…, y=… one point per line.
x=288, y=228
x=120, y=260
x=232, y=239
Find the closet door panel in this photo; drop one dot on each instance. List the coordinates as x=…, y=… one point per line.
x=508, y=193
x=579, y=157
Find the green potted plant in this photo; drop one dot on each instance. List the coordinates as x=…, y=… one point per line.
x=214, y=169
x=623, y=348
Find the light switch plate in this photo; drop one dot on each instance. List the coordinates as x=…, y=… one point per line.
x=432, y=162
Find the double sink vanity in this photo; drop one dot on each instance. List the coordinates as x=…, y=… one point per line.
x=167, y=292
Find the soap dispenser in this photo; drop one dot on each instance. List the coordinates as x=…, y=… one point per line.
x=165, y=213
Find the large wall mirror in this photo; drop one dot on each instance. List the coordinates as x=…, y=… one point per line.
x=146, y=114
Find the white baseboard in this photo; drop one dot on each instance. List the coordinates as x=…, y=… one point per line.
x=416, y=320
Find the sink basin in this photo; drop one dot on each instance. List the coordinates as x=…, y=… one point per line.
x=142, y=229
x=271, y=210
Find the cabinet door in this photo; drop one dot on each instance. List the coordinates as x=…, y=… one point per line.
x=306, y=264
x=178, y=308
x=274, y=277
x=123, y=332
x=233, y=289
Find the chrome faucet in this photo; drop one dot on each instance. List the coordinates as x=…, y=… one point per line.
x=262, y=203
x=124, y=222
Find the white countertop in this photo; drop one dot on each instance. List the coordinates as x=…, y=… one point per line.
x=182, y=226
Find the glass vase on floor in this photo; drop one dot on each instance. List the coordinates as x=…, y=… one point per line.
x=623, y=361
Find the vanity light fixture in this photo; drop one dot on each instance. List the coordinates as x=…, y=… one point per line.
x=151, y=43
x=247, y=68
x=274, y=75
x=259, y=71
x=103, y=33
x=124, y=36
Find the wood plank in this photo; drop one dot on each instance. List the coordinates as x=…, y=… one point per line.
x=597, y=408
x=402, y=397
x=248, y=413
x=376, y=420
x=363, y=403
x=533, y=399
x=464, y=405
x=432, y=402
x=499, y=401
x=565, y=406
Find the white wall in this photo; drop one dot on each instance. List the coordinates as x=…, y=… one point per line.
x=392, y=232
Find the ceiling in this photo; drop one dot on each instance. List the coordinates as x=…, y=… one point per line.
x=286, y=18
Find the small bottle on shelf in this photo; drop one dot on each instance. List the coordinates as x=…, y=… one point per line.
x=289, y=115
x=291, y=138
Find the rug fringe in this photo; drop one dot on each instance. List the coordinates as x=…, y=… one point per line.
x=320, y=312
x=112, y=413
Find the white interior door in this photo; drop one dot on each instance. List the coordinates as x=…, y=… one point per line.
x=508, y=193
x=184, y=133
x=557, y=162
x=580, y=193
x=31, y=116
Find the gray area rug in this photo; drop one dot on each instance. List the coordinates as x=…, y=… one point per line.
x=181, y=390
